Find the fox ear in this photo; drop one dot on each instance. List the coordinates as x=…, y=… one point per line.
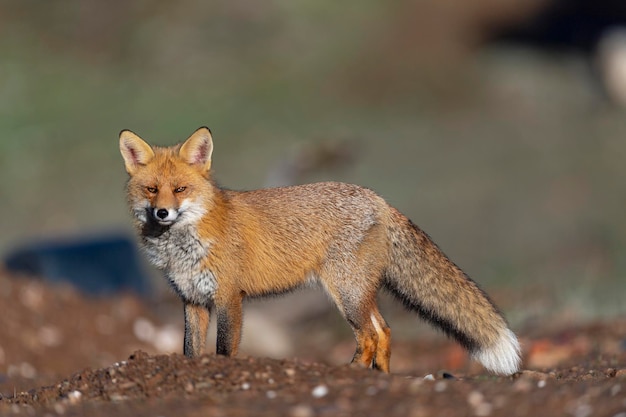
x=198, y=148
x=134, y=150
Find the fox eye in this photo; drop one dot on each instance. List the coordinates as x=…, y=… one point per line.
x=152, y=190
x=180, y=189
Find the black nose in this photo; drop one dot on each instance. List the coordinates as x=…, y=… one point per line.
x=162, y=213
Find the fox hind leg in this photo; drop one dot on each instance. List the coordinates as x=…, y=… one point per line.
x=383, y=349
x=373, y=338
x=371, y=332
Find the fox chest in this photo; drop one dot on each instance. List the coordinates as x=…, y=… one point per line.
x=182, y=256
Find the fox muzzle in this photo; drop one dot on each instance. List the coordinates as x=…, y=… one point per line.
x=164, y=216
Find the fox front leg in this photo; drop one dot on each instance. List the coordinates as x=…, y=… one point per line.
x=229, y=319
x=196, y=325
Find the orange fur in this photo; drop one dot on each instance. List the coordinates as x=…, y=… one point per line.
x=218, y=247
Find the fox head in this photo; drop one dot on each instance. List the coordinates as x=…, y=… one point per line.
x=168, y=186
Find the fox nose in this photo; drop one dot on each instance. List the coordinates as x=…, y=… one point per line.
x=162, y=213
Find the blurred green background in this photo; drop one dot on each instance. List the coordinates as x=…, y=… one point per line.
x=510, y=157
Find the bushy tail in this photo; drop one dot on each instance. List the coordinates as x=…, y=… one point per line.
x=429, y=283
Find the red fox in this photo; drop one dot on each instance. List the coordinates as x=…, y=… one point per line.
x=218, y=247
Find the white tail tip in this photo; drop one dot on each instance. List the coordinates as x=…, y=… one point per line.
x=503, y=357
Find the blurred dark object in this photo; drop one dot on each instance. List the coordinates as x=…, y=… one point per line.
x=594, y=29
x=99, y=265
x=568, y=24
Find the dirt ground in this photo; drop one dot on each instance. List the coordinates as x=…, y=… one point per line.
x=64, y=354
